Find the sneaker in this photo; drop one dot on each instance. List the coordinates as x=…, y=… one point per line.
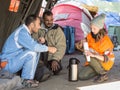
x=101, y=78
x=27, y=83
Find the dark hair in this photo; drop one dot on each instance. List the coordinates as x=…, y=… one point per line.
x=100, y=34
x=48, y=13
x=30, y=19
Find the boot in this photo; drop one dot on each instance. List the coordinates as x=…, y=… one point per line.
x=101, y=78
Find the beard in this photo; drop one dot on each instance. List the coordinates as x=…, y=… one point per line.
x=49, y=25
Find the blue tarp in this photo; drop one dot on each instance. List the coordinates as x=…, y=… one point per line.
x=112, y=19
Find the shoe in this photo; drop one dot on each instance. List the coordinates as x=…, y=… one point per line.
x=42, y=74
x=101, y=78
x=45, y=77
x=97, y=77
x=27, y=83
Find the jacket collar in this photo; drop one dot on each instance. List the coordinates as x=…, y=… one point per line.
x=26, y=28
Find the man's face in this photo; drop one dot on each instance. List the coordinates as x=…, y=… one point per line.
x=36, y=25
x=48, y=21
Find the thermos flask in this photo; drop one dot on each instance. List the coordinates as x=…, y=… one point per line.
x=73, y=69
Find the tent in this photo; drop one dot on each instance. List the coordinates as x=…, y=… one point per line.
x=71, y=13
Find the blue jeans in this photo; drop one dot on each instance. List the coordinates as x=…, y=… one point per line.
x=27, y=61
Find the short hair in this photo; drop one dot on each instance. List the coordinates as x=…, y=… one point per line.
x=48, y=13
x=30, y=19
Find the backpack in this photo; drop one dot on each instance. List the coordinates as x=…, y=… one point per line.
x=69, y=32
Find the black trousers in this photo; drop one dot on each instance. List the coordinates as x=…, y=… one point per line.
x=44, y=58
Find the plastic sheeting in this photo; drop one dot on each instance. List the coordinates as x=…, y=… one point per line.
x=112, y=19
x=104, y=5
x=72, y=15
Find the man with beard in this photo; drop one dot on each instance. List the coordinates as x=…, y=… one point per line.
x=54, y=36
x=100, y=52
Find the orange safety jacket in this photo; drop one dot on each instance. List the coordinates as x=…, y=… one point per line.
x=103, y=45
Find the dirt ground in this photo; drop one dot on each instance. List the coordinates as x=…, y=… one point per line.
x=60, y=82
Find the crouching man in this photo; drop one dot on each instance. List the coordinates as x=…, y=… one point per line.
x=21, y=51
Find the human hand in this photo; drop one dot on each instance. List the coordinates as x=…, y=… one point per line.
x=52, y=49
x=41, y=40
x=55, y=66
x=88, y=53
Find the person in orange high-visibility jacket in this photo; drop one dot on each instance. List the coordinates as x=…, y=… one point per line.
x=100, y=52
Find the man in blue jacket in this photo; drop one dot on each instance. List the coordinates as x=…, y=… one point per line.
x=21, y=51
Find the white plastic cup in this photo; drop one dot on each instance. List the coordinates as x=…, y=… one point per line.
x=85, y=45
